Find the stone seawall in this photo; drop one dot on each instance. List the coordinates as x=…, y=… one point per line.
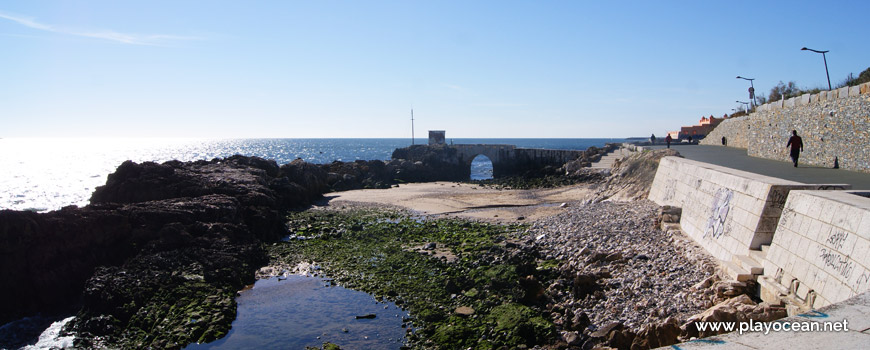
x=820, y=254
x=808, y=245
x=833, y=124
x=725, y=210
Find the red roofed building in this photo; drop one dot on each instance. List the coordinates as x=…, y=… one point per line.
x=705, y=125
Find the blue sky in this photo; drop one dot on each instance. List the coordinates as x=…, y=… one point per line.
x=356, y=68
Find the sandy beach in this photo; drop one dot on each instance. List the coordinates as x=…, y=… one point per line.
x=467, y=200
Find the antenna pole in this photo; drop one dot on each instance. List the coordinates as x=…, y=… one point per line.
x=412, y=126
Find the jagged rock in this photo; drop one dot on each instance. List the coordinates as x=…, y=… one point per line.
x=533, y=290
x=572, y=338
x=621, y=339
x=724, y=290
x=580, y=321
x=186, y=234
x=657, y=335
x=605, y=330
x=669, y=214
x=737, y=309
x=585, y=284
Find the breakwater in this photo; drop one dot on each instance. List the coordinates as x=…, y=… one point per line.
x=834, y=125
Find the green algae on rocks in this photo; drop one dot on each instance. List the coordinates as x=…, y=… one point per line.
x=466, y=284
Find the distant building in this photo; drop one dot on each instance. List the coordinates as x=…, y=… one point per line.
x=436, y=137
x=697, y=132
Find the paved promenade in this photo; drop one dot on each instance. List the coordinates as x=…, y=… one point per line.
x=736, y=158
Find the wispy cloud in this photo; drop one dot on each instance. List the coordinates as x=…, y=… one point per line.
x=124, y=38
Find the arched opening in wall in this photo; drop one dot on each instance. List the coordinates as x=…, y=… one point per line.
x=481, y=168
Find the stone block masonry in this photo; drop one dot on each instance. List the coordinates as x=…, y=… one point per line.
x=821, y=251
x=727, y=211
x=833, y=124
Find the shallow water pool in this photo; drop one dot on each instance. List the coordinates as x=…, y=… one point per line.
x=302, y=311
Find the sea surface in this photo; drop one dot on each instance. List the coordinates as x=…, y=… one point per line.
x=48, y=174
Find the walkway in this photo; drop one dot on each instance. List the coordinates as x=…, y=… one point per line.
x=606, y=161
x=736, y=158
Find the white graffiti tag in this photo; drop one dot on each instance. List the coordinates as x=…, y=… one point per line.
x=721, y=206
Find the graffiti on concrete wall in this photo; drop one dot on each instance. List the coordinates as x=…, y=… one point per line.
x=670, y=190
x=777, y=198
x=842, y=265
x=836, y=239
x=787, y=216
x=721, y=206
x=831, y=257
x=861, y=284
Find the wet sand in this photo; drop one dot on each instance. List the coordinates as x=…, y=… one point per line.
x=467, y=200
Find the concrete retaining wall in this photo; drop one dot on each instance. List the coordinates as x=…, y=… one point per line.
x=725, y=210
x=833, y=124
x=821, y=250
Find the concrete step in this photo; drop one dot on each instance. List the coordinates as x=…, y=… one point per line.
x=749, y=264
x=765, y=248
x=758, y=255
x=770, y=291
x=606, y=161
x=736, y=272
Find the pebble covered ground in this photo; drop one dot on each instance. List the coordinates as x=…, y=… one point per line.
x=618, y=267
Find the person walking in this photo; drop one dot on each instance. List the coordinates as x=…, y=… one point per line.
x=668, y=140
x=652, y=139
x=797, y=146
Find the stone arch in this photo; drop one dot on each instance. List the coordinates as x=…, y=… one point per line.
x=495, y=153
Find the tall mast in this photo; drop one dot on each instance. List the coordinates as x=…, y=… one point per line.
x=412, y=126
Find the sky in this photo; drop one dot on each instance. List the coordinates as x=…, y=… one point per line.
x=477, y=69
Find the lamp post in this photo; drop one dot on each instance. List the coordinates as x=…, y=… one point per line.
x=746, y=103
x=826, y=63
x=751, y=90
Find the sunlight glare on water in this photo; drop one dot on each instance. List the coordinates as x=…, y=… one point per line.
x=50, y=173
x=46, y=174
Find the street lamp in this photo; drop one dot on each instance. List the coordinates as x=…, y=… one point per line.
x=751, y=90
x=746, y=103
x=826, y=64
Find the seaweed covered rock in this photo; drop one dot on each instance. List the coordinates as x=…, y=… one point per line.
x=156, y=258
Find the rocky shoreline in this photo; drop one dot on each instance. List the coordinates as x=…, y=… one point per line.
x=157, y=257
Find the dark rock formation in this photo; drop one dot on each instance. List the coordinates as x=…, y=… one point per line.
x=343, y=176
x=421, y=163
x=156, y=258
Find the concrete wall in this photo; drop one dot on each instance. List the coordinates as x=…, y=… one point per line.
x=821, y=250
x=726, y=211
x=833, y=124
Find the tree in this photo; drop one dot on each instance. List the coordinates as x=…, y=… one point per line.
x=782, y=91
x=862, y=78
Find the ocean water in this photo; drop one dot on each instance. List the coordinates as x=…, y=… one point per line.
x=48, y=174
